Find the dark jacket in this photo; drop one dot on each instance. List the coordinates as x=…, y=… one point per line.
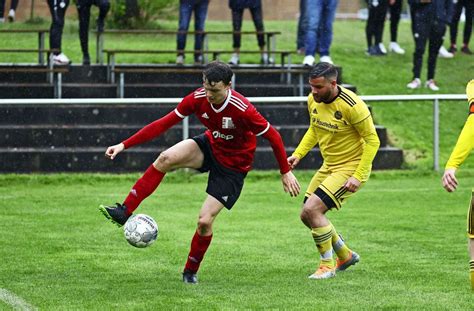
x=243, y=4
x=440, y=10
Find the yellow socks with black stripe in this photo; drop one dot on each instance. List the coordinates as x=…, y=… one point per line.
x=340, y=248
x=471, y=272
x=323, y=238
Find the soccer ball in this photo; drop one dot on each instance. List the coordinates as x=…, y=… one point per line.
x=140, y=230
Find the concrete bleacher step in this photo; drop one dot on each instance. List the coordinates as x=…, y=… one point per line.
x=92, y=159
x=83, y=136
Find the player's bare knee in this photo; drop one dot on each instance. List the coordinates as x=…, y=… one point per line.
x=163, y=162
x=204, y=224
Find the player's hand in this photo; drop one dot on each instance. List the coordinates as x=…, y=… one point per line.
x=450, y=182
x=352, y=184
x=293, y=161
x=112, y=151
x=290, y=184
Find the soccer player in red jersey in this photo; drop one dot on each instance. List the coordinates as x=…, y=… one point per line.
x=225, y=150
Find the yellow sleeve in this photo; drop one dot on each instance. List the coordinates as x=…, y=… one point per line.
x=366, y=129
x=464, y=144
x=307, y=143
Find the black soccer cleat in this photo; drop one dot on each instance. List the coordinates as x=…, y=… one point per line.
x=118, y=214
x=189, y=277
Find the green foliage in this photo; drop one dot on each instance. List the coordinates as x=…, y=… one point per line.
x=59, y=253
x=148, y=11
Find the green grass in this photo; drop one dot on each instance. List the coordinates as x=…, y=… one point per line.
x=58, y=252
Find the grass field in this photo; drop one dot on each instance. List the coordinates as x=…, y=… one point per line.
x=59, y=253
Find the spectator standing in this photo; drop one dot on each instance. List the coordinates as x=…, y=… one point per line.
x=11, y=12
x=320, y=16
x=302, y=26
x=186, y=9
x=374, y=27
x=255, y=6
x=395, y=9
x=429, y=20
x=468, y=6
x=58, y=11
x=84, y=12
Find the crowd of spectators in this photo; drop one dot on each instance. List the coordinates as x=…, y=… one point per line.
x=430, y=20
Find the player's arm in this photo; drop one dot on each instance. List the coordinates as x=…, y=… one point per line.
x=367, y=131
x=463, y=146
x=309, y=140
x=290, y=183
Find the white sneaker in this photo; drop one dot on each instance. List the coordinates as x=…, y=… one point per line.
x=395, y=48
x=11, y=15
x=179, y=60
x=266, y=60
x=444, y=53
x=415, y=84
x=308, y=60
x=382, y=48
x=61, y=59
x=234, y=59
x=431, y=84
x=326, y=59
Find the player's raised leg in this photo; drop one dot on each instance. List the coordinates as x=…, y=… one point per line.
x=184, y=154
x=201, y=239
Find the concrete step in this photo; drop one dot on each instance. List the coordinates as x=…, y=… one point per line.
x=84, y=136
x=26, y=160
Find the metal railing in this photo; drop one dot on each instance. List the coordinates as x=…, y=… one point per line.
x=436, y=98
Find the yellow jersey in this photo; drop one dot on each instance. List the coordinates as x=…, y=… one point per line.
x=465, y=141
x=345, y=132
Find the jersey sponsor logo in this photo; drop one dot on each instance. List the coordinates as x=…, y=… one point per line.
x=338, y=115
x=205, y=116
x=227, y=123
x=217, y=134
x=327, y=124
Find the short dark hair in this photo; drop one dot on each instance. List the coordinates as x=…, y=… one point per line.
x=326, y=70
x=217, y=71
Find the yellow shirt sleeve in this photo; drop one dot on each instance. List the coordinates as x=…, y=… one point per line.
x=307, y=143
x=366, y=129
x=464, y=144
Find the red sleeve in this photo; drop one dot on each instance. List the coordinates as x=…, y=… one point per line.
x=152, y=130
x=278, y=148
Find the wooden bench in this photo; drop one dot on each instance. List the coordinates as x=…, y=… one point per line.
x=285, y=56
x=41, y=38
x=270, y=37
x=285, y=72
x=51, y=73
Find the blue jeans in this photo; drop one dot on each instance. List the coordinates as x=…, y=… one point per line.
x=320, y=15
x=186, y=8
x=302, y=25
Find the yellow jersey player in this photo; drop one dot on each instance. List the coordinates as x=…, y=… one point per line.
x=341, y=124
x=462, y=149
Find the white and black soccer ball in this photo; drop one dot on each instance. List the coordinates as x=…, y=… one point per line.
x=140, y=230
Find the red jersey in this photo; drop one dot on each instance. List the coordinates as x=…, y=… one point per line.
x=231, y=127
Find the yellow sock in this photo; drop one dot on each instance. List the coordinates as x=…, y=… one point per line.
x=471, y=272
x=322, y=237
x=341, y=249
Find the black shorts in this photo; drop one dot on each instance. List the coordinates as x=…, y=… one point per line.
x=223, y=183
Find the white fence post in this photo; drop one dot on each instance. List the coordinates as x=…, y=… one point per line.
x=436, y=134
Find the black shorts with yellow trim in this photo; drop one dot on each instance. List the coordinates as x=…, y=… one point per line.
x=470, y=217
x=224, y=184
x=328, y=185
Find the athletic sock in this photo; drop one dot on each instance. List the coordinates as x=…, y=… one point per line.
x=322, y=237
x=143, y=188
x=199, y=246
x=471, y=272
x=340, y=248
